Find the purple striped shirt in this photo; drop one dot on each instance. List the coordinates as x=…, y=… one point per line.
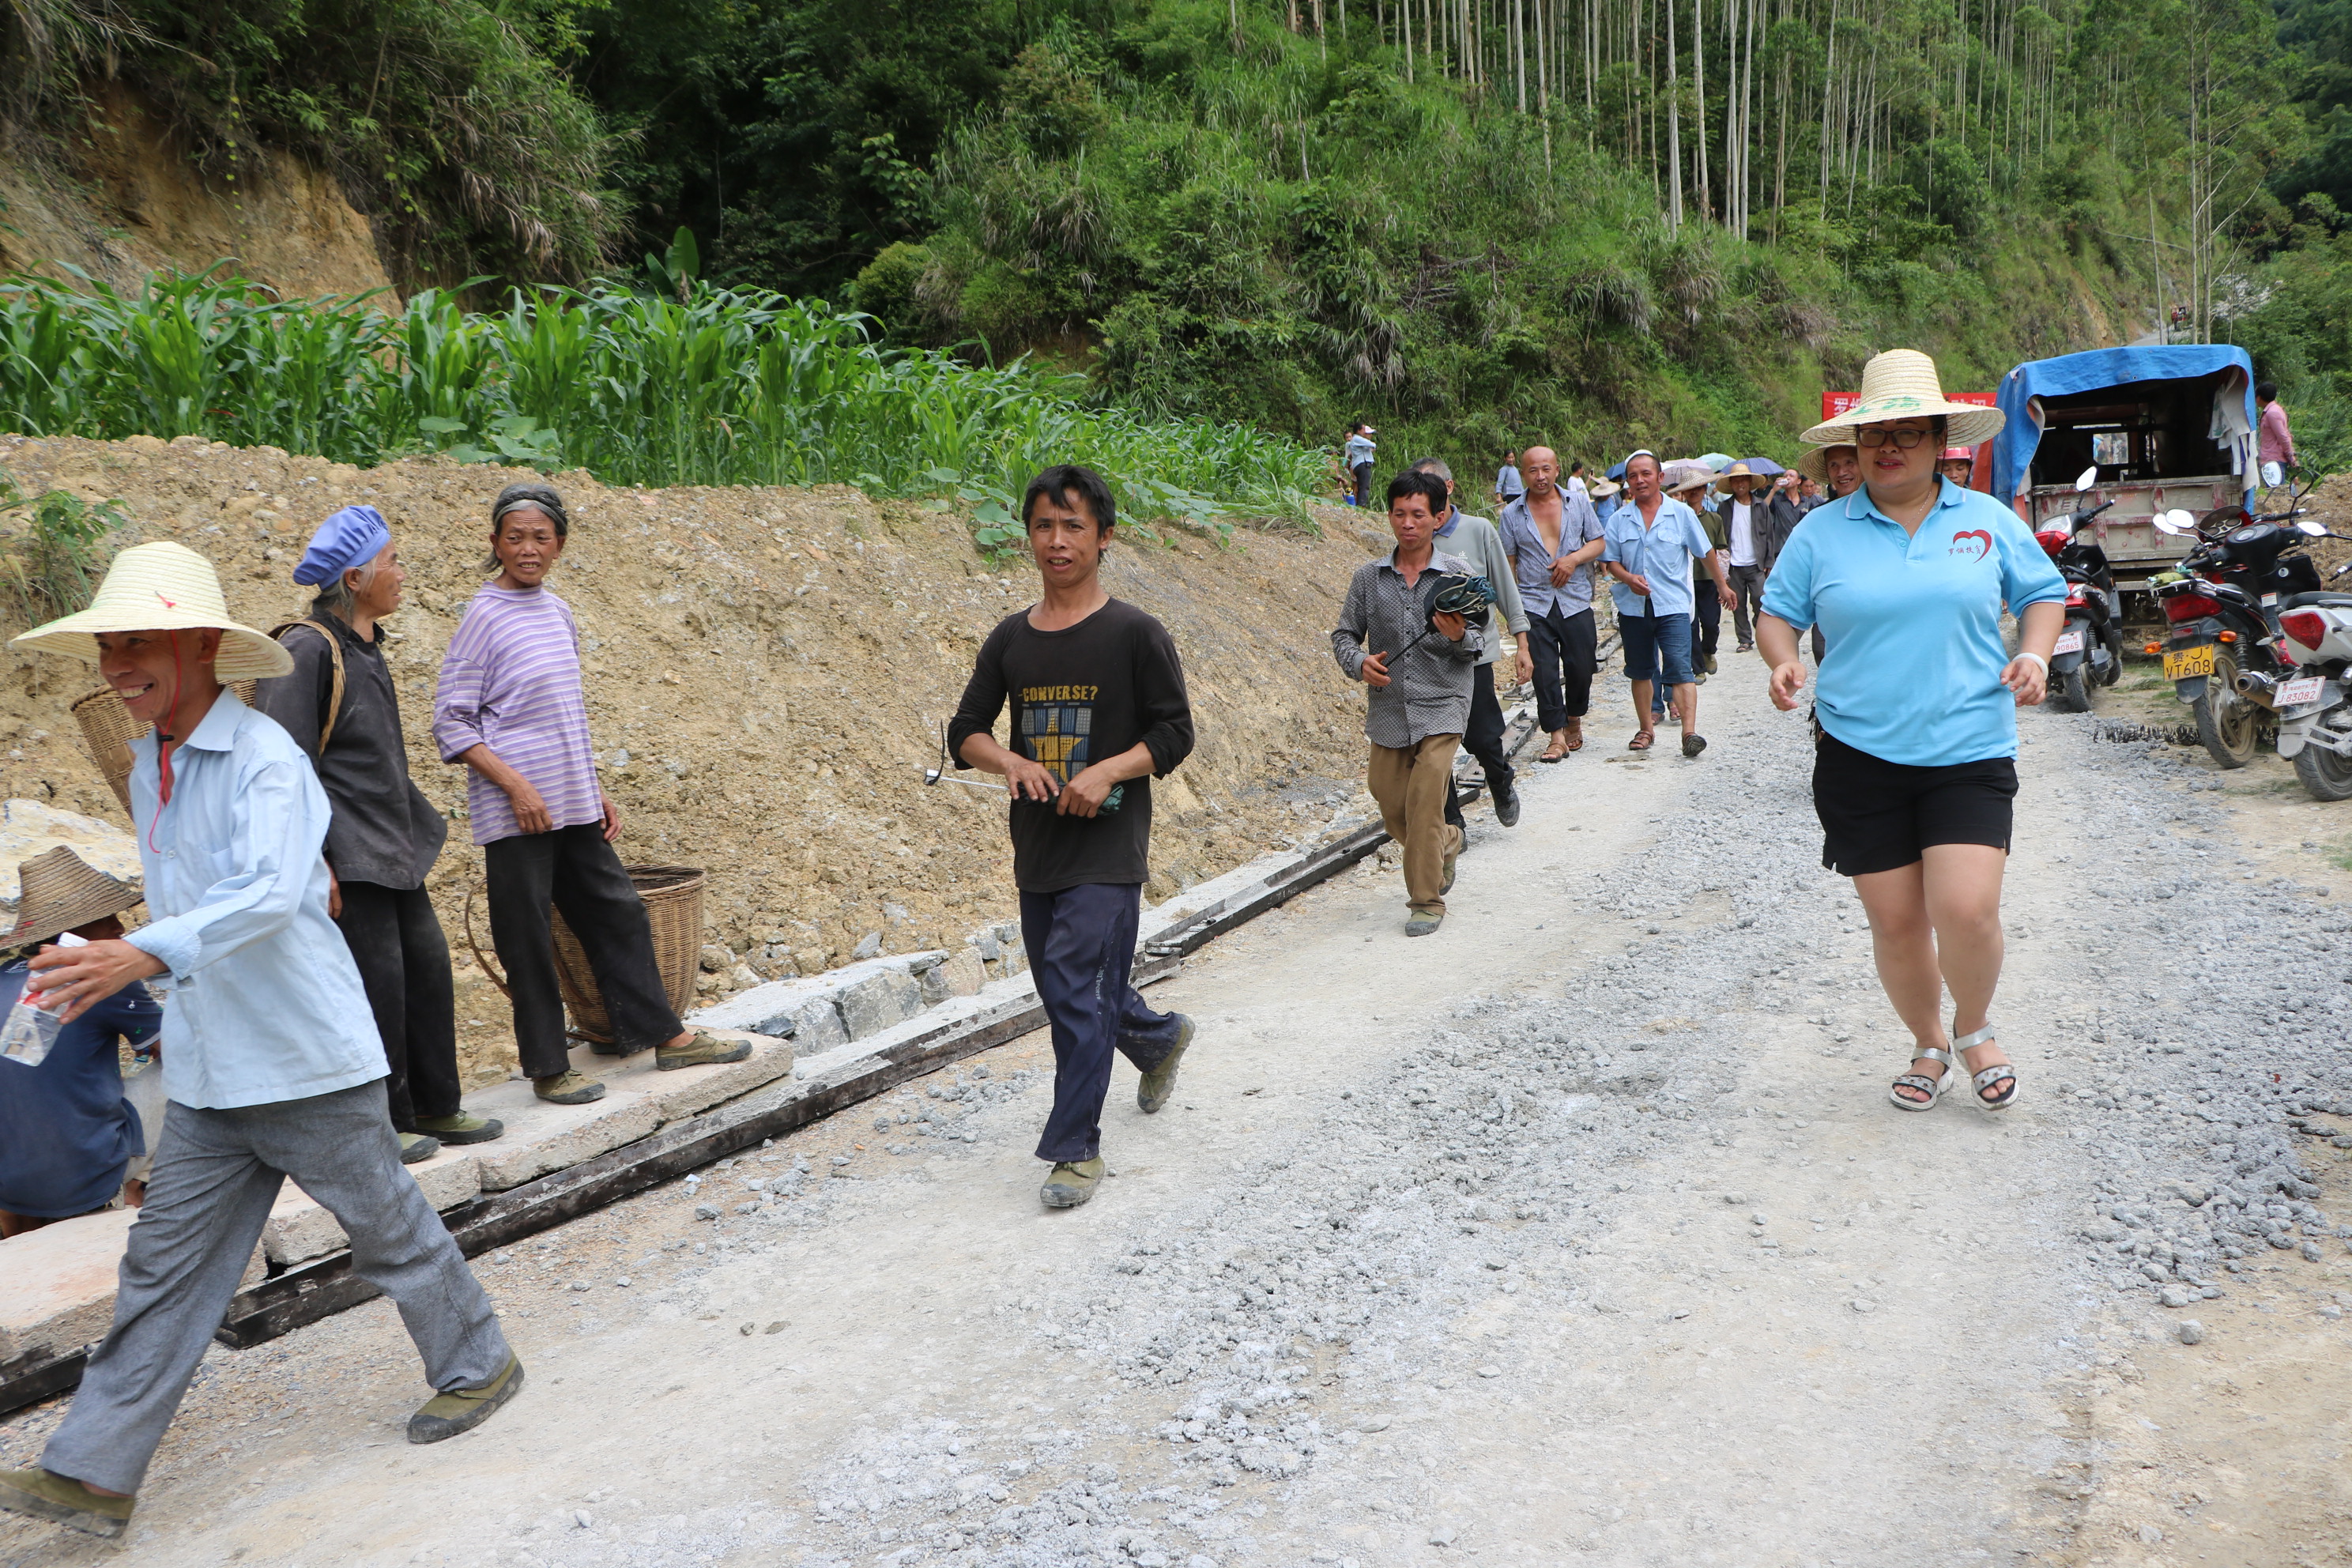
x=510, y=681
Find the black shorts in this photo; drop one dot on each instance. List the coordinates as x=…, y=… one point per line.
x=1877, y=815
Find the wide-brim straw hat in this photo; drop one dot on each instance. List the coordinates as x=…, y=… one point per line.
x=1814, y=461
x=57, y=890
x=1602, y=489
x=1902, y=384
x=161, y=587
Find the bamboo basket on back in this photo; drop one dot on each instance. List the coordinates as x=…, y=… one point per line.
x=672, y=898
x=108, y=729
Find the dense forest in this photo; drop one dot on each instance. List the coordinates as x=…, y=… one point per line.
x=1473, y=221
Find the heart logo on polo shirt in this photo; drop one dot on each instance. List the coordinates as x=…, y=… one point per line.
x=1980, y=538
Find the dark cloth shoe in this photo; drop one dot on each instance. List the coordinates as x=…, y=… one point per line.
x=570, y=1087
x=463, y=1409
x=1071, y=1184
x=1694, y=744
x=1453, y=858
x=1422, y=923
x=1506, y=807
x=415, y=1148
x=1160, y=1081
x=703, y=1050
x=462, y=1128
x=44, y=1494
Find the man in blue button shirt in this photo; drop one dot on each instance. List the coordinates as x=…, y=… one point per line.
x=270, y=1054
x=1652, y=541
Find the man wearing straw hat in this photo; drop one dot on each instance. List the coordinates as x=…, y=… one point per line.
x=67, y=1135
x=271, y=1059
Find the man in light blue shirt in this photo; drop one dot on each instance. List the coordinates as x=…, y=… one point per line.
x=271, y=1059
x=1652, y=541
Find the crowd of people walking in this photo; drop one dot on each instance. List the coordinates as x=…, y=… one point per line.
x=307, y=1030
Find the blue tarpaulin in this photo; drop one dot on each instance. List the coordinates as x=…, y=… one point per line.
x=2012, y=450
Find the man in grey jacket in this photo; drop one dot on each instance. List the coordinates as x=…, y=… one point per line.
x=1755, y=527
x=1419, y=664
x=1475, y=540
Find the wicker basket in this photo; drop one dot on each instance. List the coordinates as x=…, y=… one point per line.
x=672, y=896
x=108, y=729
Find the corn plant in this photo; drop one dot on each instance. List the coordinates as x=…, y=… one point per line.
x=689, y=385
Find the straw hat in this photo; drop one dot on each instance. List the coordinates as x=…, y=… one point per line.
x=161, y=587
x=1901, y=383
x=1602, y=489
x=62, y=890
x=1814, y=461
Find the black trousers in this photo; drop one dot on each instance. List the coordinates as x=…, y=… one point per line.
x=1566, y=650
x=1482, y=737
x=1707, y=624
x=404, y=962
x=1081, y=947
x=1363, y=472
x=573, y=870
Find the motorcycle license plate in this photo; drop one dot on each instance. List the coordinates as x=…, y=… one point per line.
x=2069, y=642
x=2295, y=693
x=2182, y=663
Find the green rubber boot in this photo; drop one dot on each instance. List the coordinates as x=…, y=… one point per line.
x=703, y=1050
x=1071, y=1184
x=463, y=1128
x=463, y=1409
x=44, y=1494
x=1157, y=1084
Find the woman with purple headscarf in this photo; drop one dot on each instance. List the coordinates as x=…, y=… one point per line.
x=384, y=835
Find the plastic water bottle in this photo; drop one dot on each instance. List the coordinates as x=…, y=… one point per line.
x=31, y=1029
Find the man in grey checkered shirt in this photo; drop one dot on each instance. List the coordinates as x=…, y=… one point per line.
x=1419, y=665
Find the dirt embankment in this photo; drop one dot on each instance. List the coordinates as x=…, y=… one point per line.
x=766, y=674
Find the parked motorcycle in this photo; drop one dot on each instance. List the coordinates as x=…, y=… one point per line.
x=2090, y=650
x=2225, y=657
x=2314, y=706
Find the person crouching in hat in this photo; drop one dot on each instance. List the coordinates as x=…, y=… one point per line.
x=340, y=705
x=271, y=1059
x=66, y=1135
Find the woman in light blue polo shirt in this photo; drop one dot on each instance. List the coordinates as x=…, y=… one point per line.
x=1914, y=768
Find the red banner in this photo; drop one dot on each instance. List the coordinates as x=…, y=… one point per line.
x=1836, y=403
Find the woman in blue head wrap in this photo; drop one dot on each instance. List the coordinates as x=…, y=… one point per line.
x=340, y=707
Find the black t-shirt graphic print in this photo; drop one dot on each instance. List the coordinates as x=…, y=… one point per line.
x=1080, y=695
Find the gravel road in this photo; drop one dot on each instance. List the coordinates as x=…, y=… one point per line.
x=1580, y=1232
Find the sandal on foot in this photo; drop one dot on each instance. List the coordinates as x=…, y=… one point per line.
x=1642, y=740
x=1555, y=752
x=1932, y=1087
x=1985, y=1078
x=1575, y=735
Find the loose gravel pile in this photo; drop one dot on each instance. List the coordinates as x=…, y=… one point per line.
x=1280, y=1367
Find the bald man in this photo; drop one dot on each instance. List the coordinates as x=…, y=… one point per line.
x=1552, y=537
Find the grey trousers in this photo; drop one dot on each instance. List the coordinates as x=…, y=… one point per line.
x=1748, y=600
x=215, y=1176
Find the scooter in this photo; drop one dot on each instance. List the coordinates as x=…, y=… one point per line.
x=2090, y=650
x=2225, y=657
x=2314, y=706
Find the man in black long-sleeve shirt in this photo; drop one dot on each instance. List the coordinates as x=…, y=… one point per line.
x=1099, y=712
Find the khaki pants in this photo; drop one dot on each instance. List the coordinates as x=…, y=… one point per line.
x=1412, y=785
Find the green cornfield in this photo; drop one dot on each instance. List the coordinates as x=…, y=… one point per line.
x=698, y=385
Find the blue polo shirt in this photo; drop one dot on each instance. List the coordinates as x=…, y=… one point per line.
x=1662, y=552
x=65, y=1132
x=1913, y=674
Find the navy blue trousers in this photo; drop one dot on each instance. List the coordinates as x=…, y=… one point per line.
x=1081, y=946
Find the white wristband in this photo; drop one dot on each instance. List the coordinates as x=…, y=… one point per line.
x=2028, y=653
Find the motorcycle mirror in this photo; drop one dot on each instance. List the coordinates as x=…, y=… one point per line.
x=2088, y=479
x=2312, y=529
x=2175, y=521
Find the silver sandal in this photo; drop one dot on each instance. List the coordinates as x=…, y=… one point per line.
x=1990, y=1076
x=1934, y=1087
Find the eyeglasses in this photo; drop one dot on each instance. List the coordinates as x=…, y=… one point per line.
x=1904, y=440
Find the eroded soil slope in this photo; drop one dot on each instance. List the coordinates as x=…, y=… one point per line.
x=766, y=671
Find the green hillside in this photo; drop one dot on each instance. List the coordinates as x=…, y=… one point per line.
x=1474, y=222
